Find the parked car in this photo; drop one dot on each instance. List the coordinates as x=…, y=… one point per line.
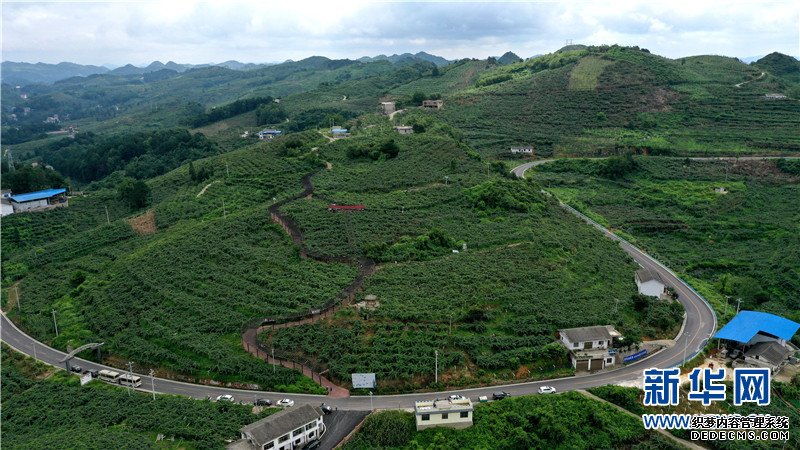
x=483, y=399
x=547, y=390
x=456, y=397
x=225, y=398
x=500, y=395
x=93, y=372
x=76, y=369
x=326, y=409
x=284, y=403
x=263, y=402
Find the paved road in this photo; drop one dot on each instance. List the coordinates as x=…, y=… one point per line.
x=338, y=425
x=699, y=326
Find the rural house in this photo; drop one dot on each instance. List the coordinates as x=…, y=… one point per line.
x=589, y=346
x=339, y=132
x=650, y=283
x=289, y=429
x=5, y=202
x=404, y=129
x=762, y=337
x=453, y=413
x=522, y=150
x=388, y=108
x=268, y=134
x=433, y=104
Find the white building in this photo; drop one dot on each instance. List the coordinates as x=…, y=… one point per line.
x=522, y=150
x=456, y=413
x=650, y=283
x=404, y=129
x=289, y=429
x=589, y=346
x=5, y=202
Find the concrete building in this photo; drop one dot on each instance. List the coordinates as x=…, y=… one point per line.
x=775, y=96
x=404, y=129
x=388, y=107
x=289, y=429
x=38, y=200
x=762, y=337
x=268, y=134
x=454, y=413
x=5, y=202
x=650, y=283
x=434, y=104
x=589, y=346
x=522, y=150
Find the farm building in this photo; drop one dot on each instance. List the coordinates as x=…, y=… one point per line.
x=404, y=129
x=522, y=150
x=589, y=346
x=453, y=413
x=38, y=200
x=388, y=107
x=434, y=104
x=775, y=97
x=339, y=132
x=268, y=134
x=762, y=337
x=650, y=283
x=335, y=207
x=288, y=429
x=5, y=201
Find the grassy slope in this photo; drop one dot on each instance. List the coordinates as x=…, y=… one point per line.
x=57, y=413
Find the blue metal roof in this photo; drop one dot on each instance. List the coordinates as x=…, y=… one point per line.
x=747, y=324
x=38, y=195
x=269, y=132
x=338, y=130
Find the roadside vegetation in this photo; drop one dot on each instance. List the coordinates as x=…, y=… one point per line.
x=568, y=420
x=48, y=408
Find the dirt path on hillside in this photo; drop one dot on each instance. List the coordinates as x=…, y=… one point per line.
x=252, y=329
x=205, y=188
x=391, y=115
x=738, y=85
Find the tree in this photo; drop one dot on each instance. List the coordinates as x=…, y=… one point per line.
x=134, y=192
x=417, y=98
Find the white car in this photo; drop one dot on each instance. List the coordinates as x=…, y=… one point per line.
x=547, y=390
x=455, y=397
x=284, y=403
x=225, y=398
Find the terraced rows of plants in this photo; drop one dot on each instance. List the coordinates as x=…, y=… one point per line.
x=741, y=244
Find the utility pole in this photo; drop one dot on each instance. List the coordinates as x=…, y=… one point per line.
x=153, y=383
x=227, y=171
x=108, y=219
x=738, y=303
x=371, y=408
x=273, y=360
x=130, y=374
x=446, y=179
x=55, y=324
x=436, y=356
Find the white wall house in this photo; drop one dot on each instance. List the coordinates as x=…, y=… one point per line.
x=522, y=150
x=38, y=200
x=289, y=429
x=456, y=413
x=588, y=346
x=650, y=283
x=404, y=129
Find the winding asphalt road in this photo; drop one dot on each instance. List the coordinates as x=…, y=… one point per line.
x=699, y=325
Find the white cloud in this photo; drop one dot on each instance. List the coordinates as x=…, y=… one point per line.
x=250, y=30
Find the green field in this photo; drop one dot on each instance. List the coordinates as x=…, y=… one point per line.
x=741, y=244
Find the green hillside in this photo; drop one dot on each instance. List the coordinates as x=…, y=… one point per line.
x=741, y=243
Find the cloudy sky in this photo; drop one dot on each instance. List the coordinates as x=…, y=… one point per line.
x=116, y=32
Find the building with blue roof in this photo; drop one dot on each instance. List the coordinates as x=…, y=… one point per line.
x=38, y=200
x=752, y=327
x=268, y=133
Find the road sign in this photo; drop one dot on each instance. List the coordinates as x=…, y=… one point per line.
x=363, y=380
